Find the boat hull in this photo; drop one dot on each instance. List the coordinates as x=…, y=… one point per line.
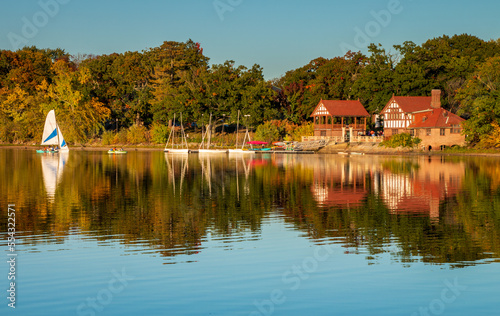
x=241, y=151
x=180, y=151
x=117, y=152
x=40, y=151
x=212, y=151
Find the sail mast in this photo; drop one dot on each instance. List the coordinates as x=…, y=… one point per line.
x=237, y=129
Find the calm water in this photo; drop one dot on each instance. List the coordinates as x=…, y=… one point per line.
x=151, y=234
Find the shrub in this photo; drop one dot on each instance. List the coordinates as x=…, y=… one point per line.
x=401, y=140
x=137, y=134
x=159, y=133
x=269, y=131
x=491, y=140
x=107, y=138
x=299, y=131
x=120, y=137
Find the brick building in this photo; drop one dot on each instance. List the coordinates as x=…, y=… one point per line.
x=423, y=117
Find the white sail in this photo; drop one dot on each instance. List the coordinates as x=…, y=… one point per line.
x=50, y=130
x=52, y=134
x=62, y=143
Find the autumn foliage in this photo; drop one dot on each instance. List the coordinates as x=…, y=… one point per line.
x=96, y=94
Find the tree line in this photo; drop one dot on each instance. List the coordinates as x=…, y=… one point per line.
x=94, y=94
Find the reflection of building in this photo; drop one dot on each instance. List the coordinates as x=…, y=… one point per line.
x=341, y=181
x=415, y=186
x=420, y=188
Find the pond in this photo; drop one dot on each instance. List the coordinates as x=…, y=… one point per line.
x=149, y=233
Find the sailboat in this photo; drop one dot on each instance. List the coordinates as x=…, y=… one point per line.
x=52, y=135
x=208, y=135
x=247, y=135
x=171, y=140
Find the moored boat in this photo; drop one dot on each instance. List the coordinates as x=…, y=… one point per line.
x=117, y=151
x=52, y=135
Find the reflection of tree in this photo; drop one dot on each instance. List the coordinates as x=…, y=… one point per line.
x=439, y=210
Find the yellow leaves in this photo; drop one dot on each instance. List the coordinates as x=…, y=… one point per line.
x=84, y=75
x=15, y=103
x=491, y=140
x=43, y=87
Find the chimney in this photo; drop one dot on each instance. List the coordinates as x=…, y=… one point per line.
x=436, y=99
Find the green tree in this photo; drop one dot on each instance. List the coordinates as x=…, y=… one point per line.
x=480, y=100
x=81, y=116
x=375, y=84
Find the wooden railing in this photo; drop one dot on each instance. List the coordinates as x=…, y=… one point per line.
x=337, y=139
x=340, y=139
x=328, y=126
x=367, y=139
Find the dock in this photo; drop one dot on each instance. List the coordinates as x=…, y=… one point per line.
x=286, y=152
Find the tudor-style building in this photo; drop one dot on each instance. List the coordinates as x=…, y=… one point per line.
x=338, y=119
x=399, y=112
x=423, y=117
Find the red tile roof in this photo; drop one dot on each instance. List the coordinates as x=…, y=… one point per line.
x=412, y=104
x=343, y=108
x=437, y=118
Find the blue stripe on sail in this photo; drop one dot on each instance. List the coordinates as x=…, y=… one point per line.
x=52, y=135
x=63, y=143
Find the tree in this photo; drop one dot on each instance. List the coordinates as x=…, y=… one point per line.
x=480, y=100
x=320, y=79
x=441, y=63
x=375, y=84
x=81, y=115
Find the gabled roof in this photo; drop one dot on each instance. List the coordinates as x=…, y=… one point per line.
x=437, y=118
x=412, y=104
x=340, y=108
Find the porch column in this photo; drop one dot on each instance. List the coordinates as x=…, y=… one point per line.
x=350, y=134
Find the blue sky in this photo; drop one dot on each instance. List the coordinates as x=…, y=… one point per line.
x=279, y=35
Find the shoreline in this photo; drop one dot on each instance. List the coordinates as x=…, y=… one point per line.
x=88, y=148
x=334, y=149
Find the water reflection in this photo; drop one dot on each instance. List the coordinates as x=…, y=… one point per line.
x=439, y=210
x=52, y=170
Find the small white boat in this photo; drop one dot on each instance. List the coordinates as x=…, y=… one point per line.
x=212, y=151
x=52, y=135
x=241, y=151
x=180, y=151
x=174, y=149
x=205, y=144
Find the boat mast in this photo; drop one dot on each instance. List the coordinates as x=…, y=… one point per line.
x=57, y=132
x=209, y=131
x=237, y=129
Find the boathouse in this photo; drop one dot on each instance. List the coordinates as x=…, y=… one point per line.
x=339, y=119
x=423, y=117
